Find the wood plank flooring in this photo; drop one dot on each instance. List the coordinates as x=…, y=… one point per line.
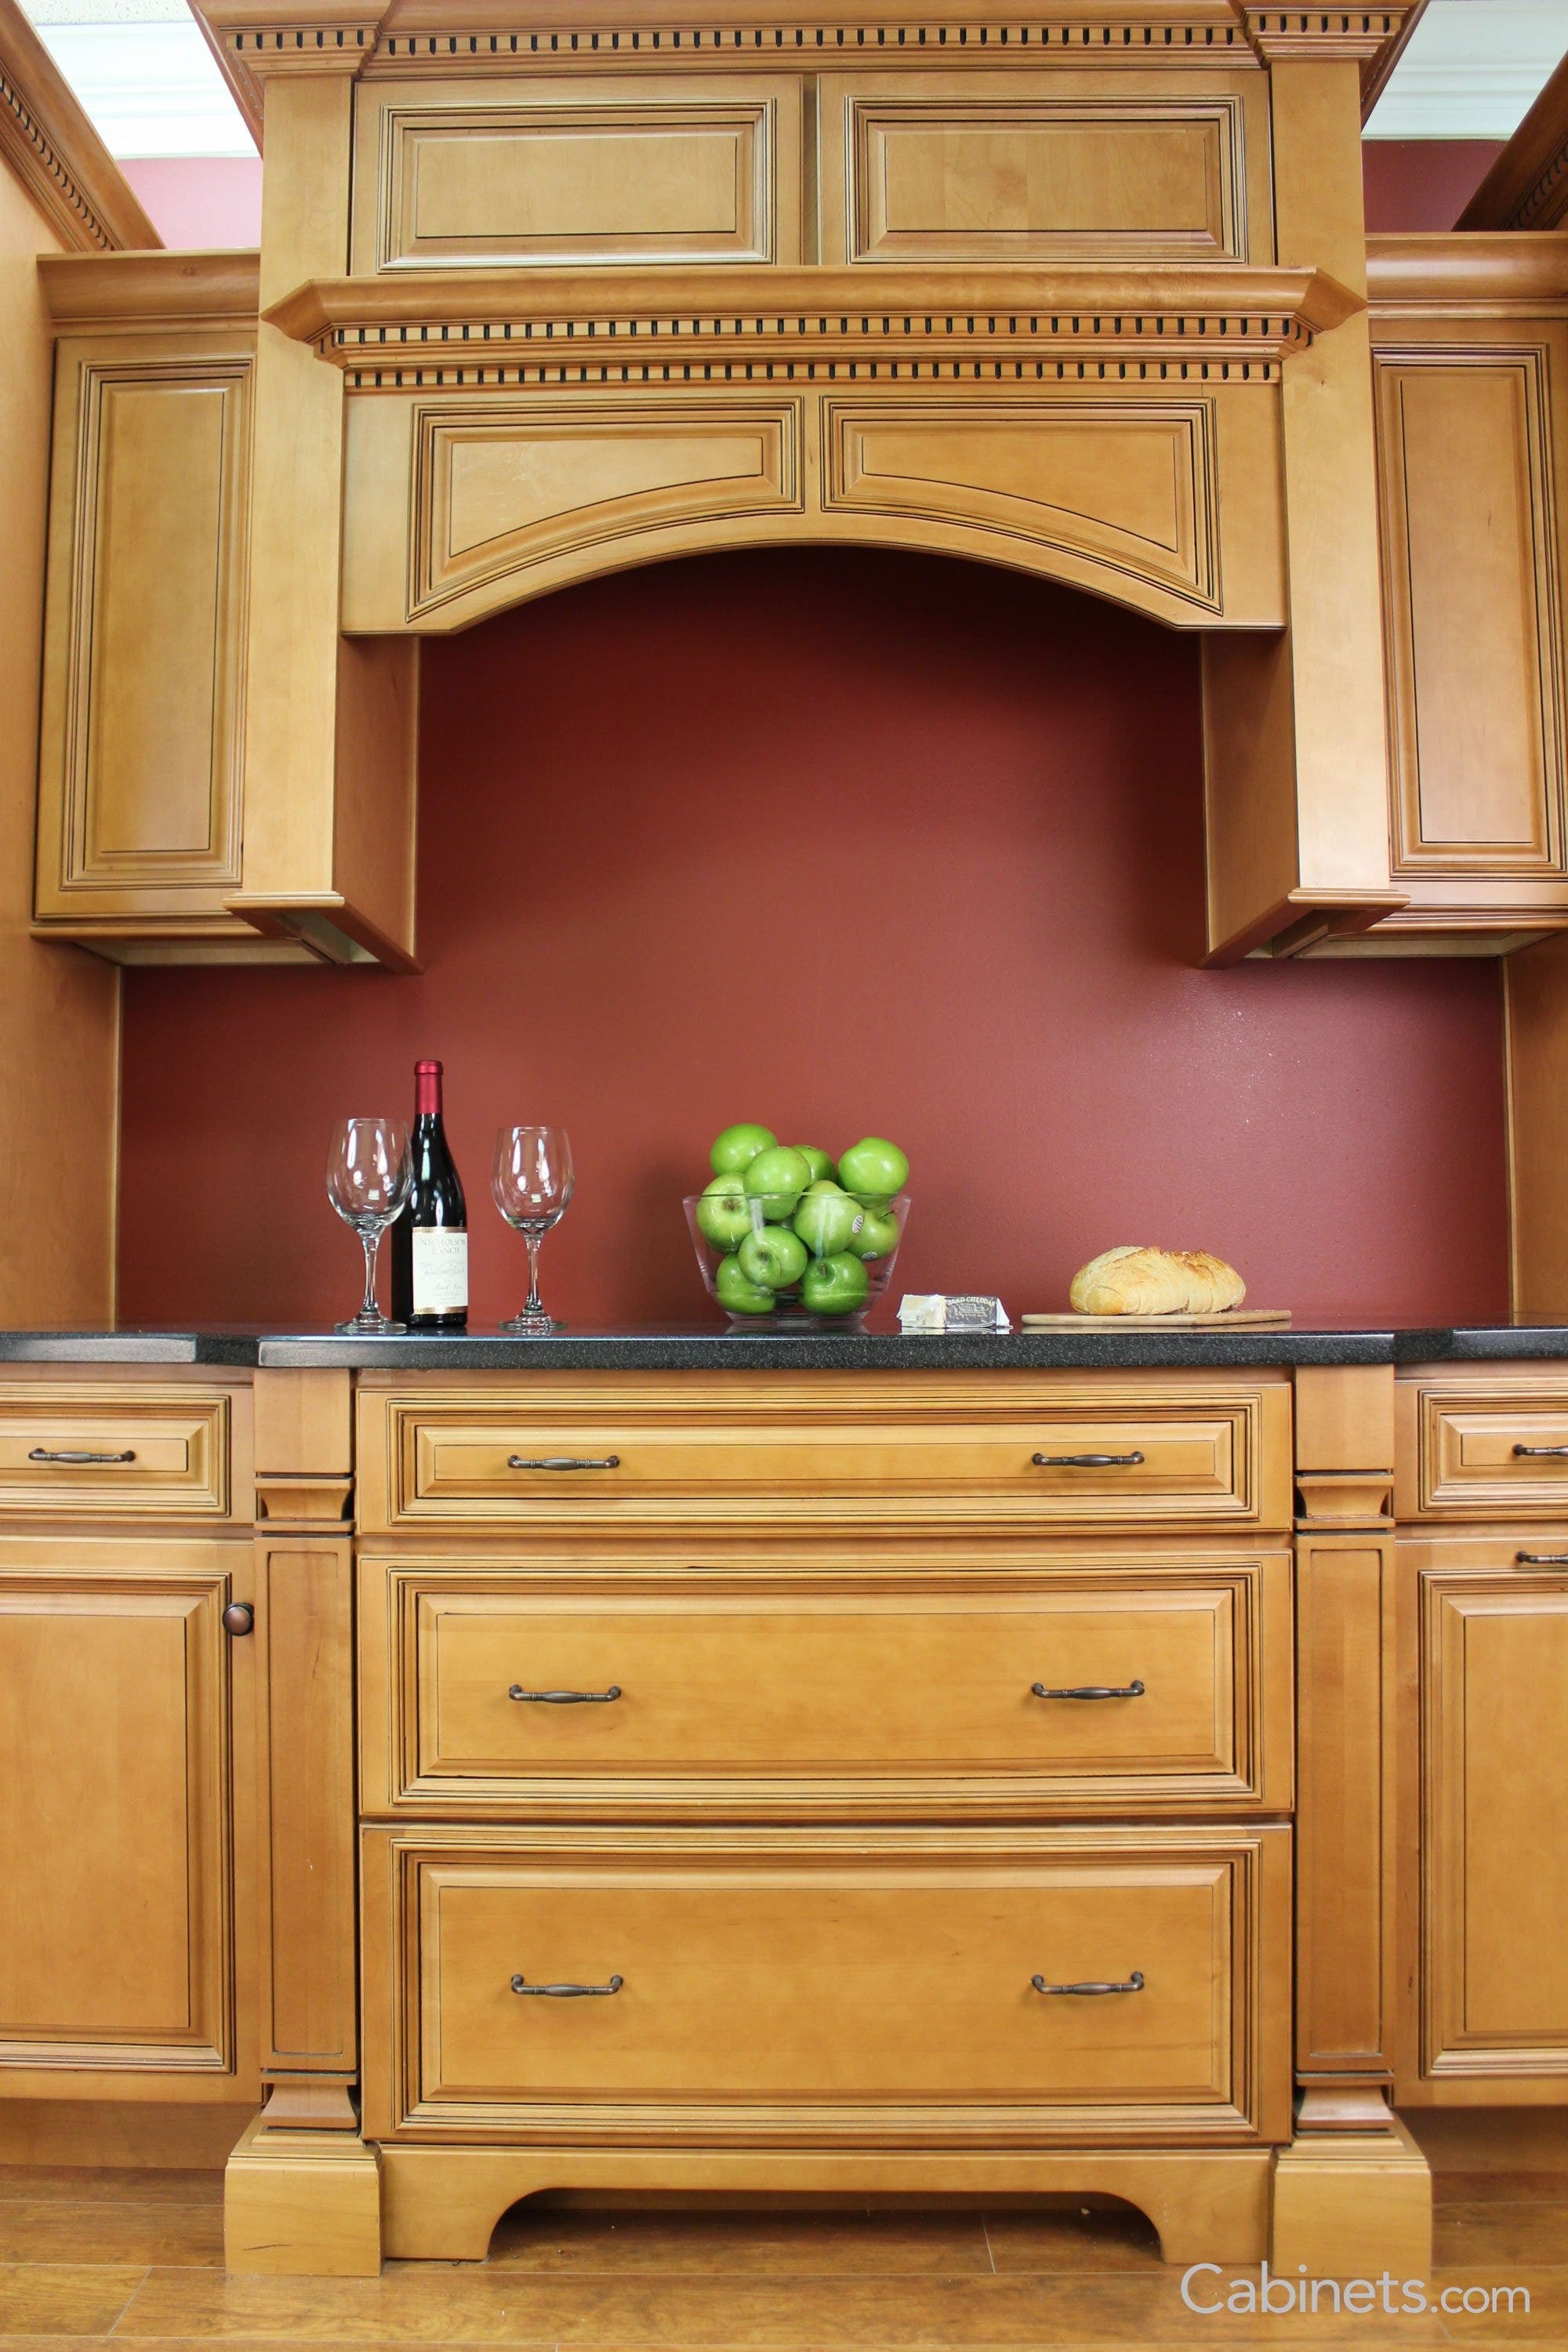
x=136, y=2257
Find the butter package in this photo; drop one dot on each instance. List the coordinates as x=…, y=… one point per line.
x=931, y=1311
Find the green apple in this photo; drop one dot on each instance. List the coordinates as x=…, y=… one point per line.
x=833, y=1285
x=777, y=1177
x=878, y=1233
x=736, y=1295
x=820, y=1165
x=826, y=1219
x=724, y=1213
x=774, y=1259
x=737, y=1146
x=873, y=1169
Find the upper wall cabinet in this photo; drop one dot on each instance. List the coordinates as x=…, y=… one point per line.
x=1470, y=366
x=149, y=800
x=929, y=168
x=140, y=776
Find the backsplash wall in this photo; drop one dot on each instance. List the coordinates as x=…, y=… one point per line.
x=847, y=841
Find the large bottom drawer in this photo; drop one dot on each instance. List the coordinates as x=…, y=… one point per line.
x=884, y=1988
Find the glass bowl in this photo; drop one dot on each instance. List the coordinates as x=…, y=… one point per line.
x=810, y=1258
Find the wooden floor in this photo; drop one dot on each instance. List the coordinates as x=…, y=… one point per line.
x=136, y=2257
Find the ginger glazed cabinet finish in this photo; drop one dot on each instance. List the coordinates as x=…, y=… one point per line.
x=141, y=808
x=1486, y=1925
x=838, y=1987
x=1470, y=366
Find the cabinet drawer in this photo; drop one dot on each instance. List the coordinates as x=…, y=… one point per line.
x=984, y=1448
x=1483, y=1451
x=611, y=1691
x=114, y=1451
x=878, y=1986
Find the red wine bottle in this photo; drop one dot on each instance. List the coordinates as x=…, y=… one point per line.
x=430, y=1239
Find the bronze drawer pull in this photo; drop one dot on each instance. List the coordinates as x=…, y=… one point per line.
x=567, y=1992
x=1092, y=1461
x=1089, y=1690
x=565, y=1699
x=560, y=1462
x=1534, y=1453
x=238, y=1619
x=77, y=1460
x=1541, y=1560
x=1134, y=1984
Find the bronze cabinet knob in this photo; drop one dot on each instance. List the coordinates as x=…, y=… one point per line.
x=239, y=1617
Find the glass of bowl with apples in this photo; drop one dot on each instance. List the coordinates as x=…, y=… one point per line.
x=788, y=1239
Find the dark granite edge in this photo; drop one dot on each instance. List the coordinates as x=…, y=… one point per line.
x=672, y=1350
x=234, y=1350
x=835, y=1351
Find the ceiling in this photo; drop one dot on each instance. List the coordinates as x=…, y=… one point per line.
x=147, y=79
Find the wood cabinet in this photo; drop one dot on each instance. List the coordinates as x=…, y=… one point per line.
x=1486, y=1926
x=155, y=841
x=126, y=1966
x=1470, y=364
x=140, y=791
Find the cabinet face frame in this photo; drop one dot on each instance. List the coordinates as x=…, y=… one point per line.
x=406, y=1603
x=185, y=1582
x=1453, y=1586
x=159, y=890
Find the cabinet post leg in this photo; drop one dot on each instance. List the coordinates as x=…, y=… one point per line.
x=1351, y=2202
x=302, y=2202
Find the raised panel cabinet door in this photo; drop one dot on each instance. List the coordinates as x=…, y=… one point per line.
x=1494, y=1910
x=942, y=168
x=520, y=174
x=1473, y=602
x=116, y=1844
x=139, y=761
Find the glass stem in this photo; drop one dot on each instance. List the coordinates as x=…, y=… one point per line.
x=371, y=1246
x=532, y=1304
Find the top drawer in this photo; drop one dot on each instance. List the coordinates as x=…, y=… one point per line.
x=973, y=1449
x=1493, y=1446
x=114, y=1450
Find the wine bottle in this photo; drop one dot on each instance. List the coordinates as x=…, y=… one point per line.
x=430, y=1239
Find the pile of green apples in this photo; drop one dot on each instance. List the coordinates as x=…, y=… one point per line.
x=786, y=1220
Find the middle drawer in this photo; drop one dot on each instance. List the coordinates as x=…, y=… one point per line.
x=917, y=1690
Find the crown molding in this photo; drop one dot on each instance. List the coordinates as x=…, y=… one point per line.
x=1495, y=274
x=56, y=153
x=151, y=289
x=477, y=329
x=1527, y=187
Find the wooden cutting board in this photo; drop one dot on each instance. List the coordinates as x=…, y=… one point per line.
x=1230, y=1318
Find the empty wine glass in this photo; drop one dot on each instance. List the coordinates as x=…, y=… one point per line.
x=368, y=1176
x=532, y=1178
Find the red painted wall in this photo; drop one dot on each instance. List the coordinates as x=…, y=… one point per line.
x=846, y=842
x=1415, y=184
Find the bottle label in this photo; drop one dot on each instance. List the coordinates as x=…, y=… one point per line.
x=440, y=1270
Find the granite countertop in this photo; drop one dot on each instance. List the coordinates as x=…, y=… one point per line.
x=704, y=1347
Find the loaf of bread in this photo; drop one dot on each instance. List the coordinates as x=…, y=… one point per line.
x=1134, y=1280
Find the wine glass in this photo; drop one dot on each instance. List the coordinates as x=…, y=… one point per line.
x=532, y=1178
x=368, y=1176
